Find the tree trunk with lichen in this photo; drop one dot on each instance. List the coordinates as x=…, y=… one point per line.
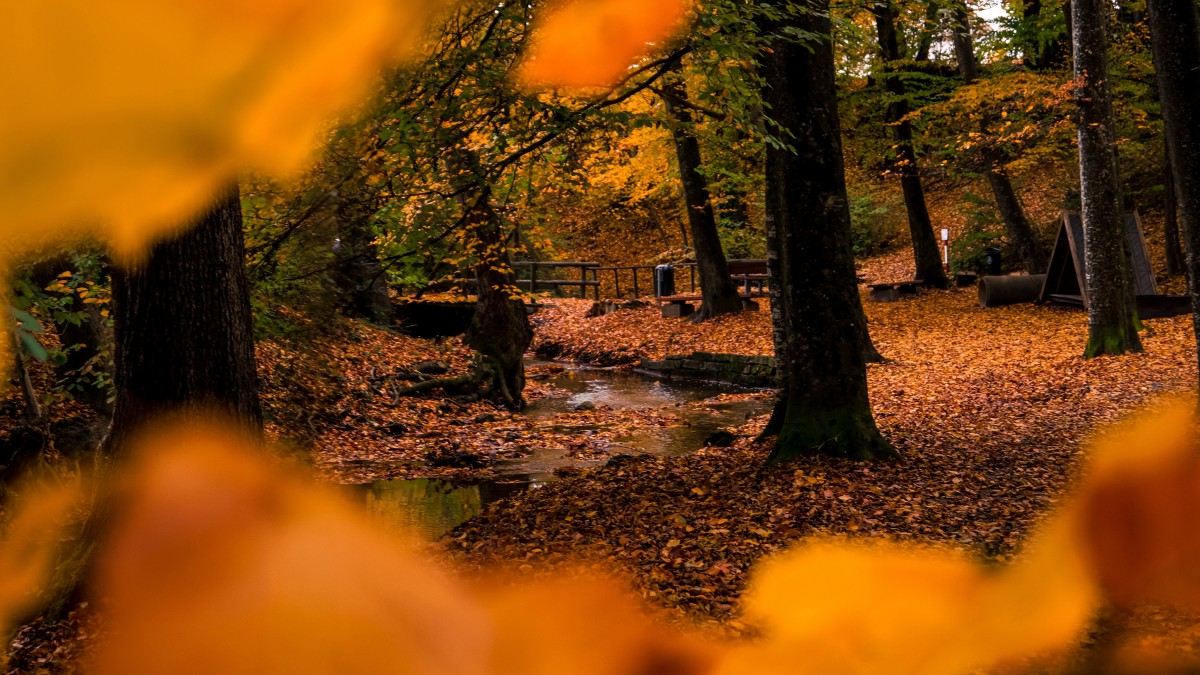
x=719, y=294
x=1112, y=310
x=819, y=321
x=500, y=329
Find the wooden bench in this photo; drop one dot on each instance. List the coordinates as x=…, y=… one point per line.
x=892, y=291
x=679, y=306
x=748, y=272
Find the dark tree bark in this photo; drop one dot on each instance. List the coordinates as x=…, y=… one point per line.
x=1016, y=225
x=1112, y=312
x=1173, y=244
x=360, y=277
x=1175, y=38
x=183, y=331
x=816, y=309
x=964, y=47
x=928, y=28
x=719, y=294
x=500, y=329
x=925, y=248
x=184, y=345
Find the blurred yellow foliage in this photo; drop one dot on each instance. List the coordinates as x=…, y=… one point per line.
x=836, y=607
x=125, y=117
x=592, y=43
x=30, y=544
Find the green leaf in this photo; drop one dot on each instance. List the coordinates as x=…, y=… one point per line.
x=32, y=347
x=27, y=322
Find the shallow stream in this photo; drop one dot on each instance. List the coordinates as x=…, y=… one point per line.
x=431, y=507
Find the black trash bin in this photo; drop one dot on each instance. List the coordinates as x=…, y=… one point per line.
x=991, y=260
x=664, y=280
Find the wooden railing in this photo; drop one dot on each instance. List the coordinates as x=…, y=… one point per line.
x=633, y=281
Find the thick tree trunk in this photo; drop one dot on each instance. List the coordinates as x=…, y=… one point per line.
x=184, y=345
x=183, y=331
x=1016, y=225
x=1175, y=37
x=500, y=329
x=925, y=249
x=819, y=318
x=719, y=294
x=1112, y=312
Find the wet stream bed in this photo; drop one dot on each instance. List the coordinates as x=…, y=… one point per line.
x=606, y=413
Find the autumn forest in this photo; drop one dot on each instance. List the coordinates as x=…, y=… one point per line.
x=601, y=337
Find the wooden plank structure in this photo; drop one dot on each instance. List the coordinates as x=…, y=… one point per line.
x=1065, y=275
x=533, y=282
x=892, y=291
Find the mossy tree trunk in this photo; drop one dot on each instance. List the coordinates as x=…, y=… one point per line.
x=818, y=315
x=500, y=329
x=720, y=295
x=1112, y=310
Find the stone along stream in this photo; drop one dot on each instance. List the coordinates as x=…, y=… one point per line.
x=431, y=507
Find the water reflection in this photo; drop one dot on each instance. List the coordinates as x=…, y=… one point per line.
x=432, y=507
x=429, y=507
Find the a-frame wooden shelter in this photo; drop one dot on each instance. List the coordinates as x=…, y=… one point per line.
x=1064, y=277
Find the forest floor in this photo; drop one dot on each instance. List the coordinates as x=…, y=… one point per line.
x=991, y=410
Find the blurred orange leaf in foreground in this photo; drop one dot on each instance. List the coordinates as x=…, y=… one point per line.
x=132, y=114
x=219, y=561
x=592, y=43
x=1139, y=514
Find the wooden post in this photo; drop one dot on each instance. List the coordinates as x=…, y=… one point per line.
x=692, y=277
x=596, y=288
x=635, y=288
x=582, y=286
x=617, y=282
x=532, y=278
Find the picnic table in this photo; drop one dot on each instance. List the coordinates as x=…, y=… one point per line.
x=751, y=275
